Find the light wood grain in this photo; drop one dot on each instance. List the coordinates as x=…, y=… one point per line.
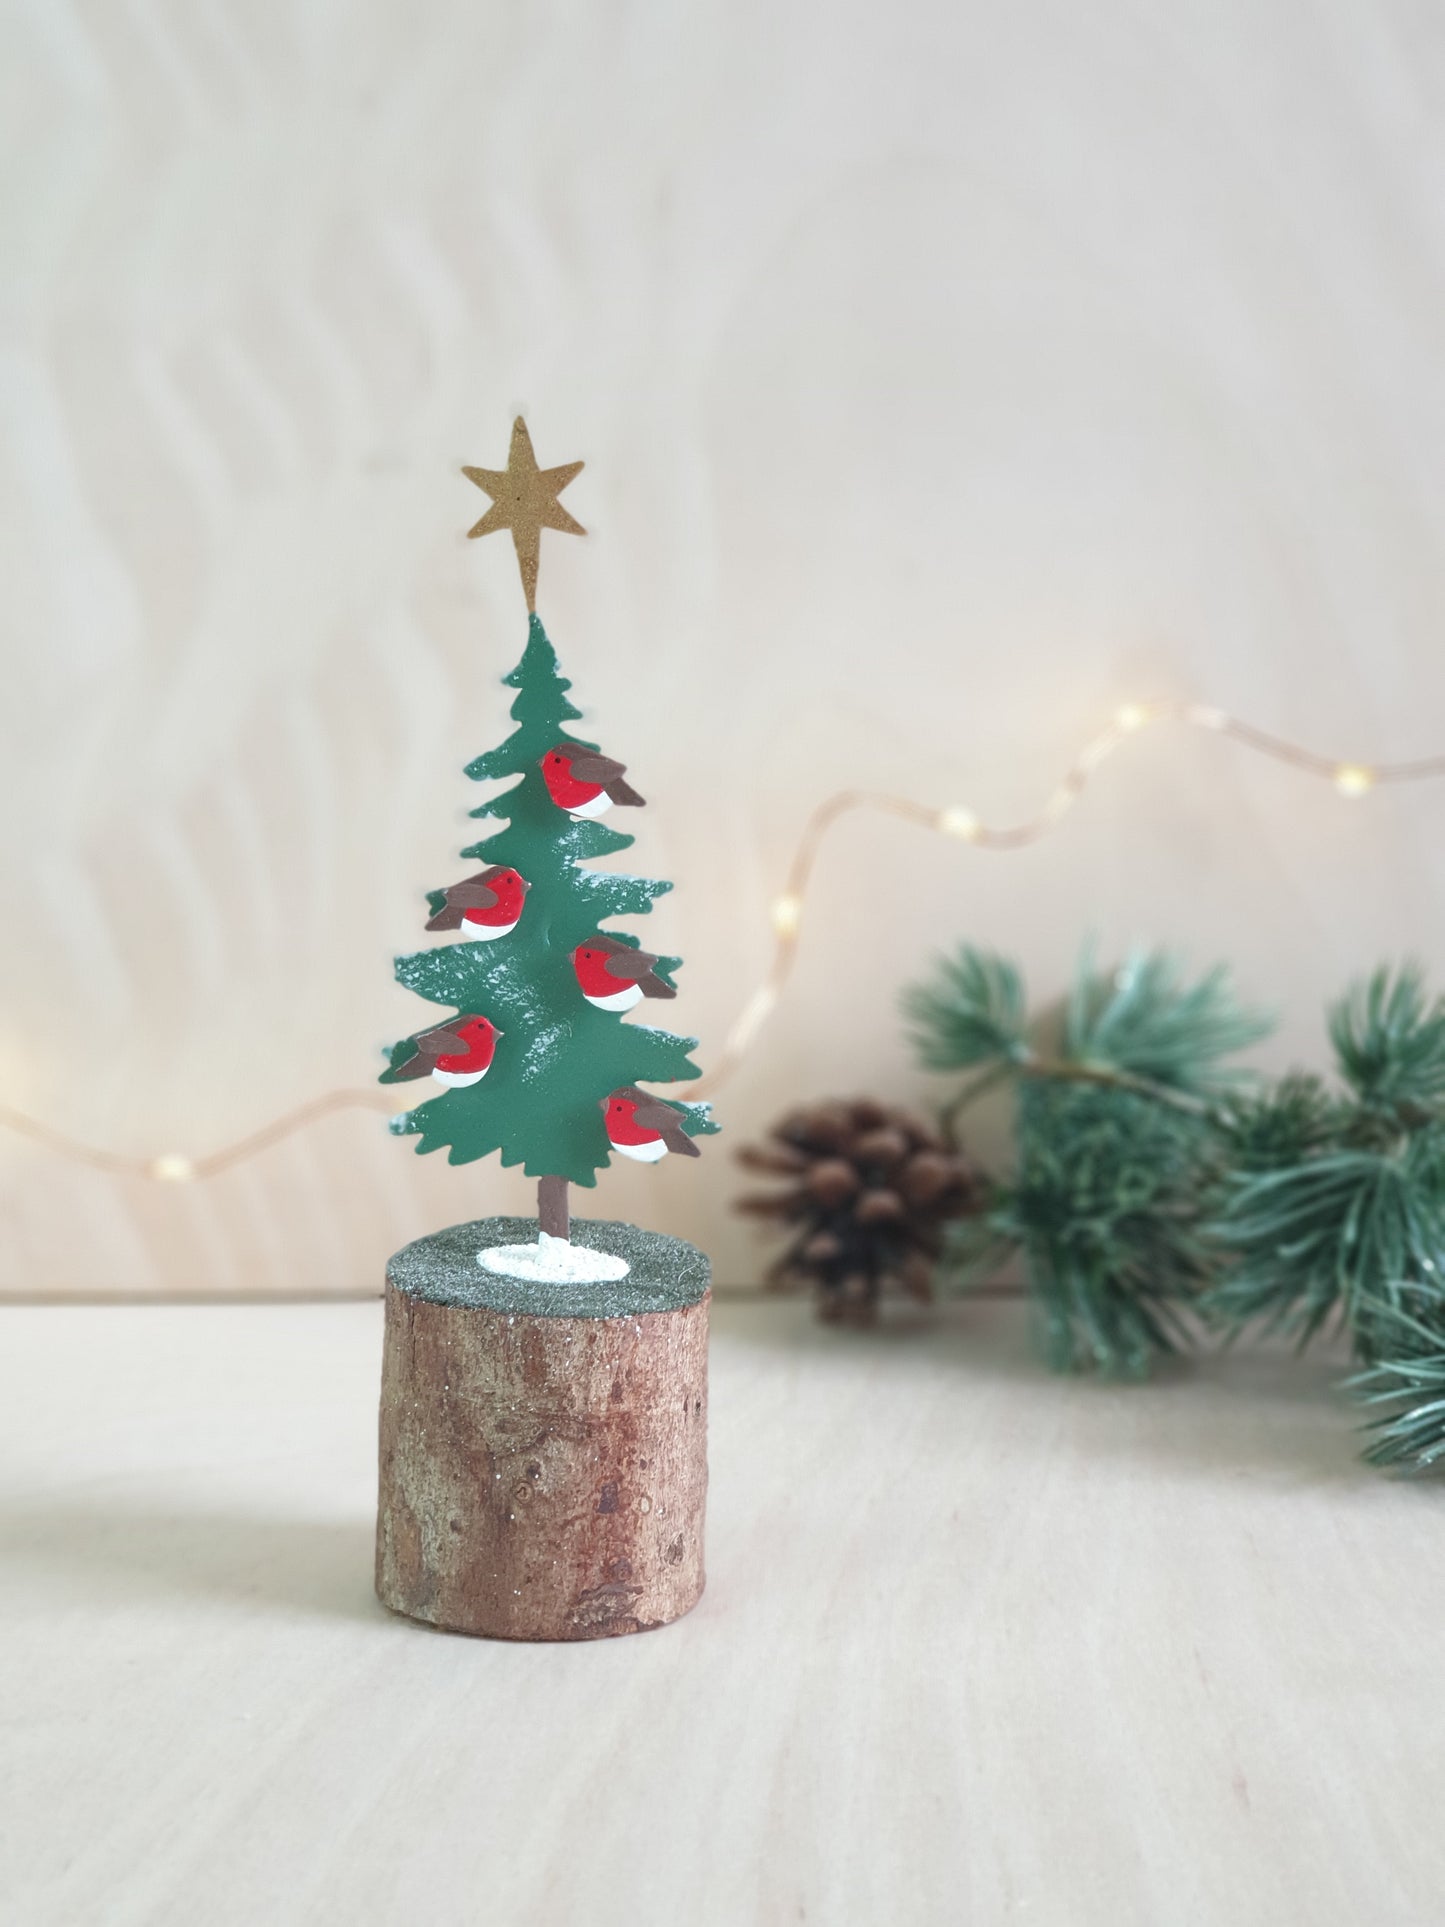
x=977, y=1646
x=947, y=375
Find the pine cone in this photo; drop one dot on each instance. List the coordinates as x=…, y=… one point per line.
x=866, y=1192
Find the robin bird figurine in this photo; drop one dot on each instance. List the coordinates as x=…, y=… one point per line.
x=614, y=976
x=455, y=1054
x=485, y=907
x=643, y=1127
x=584, y=782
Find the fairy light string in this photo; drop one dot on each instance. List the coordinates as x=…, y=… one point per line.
x=1351, y=780
x=174, y=1167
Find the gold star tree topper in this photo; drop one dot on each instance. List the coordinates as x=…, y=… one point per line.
x=524, y=500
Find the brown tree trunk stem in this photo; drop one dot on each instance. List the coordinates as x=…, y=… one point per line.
x=553, y=1214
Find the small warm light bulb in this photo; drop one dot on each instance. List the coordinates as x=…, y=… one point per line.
x=1353, y=779
x=1132, y=716
x=787, y=915
x=956, y=821
x=173, y=1167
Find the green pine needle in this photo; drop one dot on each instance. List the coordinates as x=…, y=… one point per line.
x=1145, y=1021
x=1295, y=1118
x=1404, y=1394
x=971, y=1011
x=1150, y=1182
x=1116, y=1144
x=1332, y=1213
x=1104, y=1209
x=1337, y=1238
x=1390, y=1041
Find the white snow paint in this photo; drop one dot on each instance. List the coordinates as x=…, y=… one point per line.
x=542, y=1050
x=553, y=1261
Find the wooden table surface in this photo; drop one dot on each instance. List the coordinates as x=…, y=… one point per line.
x=977, y=1646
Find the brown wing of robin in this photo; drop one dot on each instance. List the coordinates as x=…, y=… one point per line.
x=593, y=767
x=441, y=1042
x=430, y=1045
x=635, y=967
x=653, y=1115
x=473, y=894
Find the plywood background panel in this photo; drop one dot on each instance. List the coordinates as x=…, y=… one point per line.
x=946, y=376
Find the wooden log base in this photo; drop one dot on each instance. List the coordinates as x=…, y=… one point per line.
x=543, y=1446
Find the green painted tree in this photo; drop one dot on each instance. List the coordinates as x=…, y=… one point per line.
x=556, y=1057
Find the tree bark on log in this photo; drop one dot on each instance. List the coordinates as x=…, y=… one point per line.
x=543, y=1475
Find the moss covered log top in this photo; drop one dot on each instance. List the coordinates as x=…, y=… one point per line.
x=666, y=1274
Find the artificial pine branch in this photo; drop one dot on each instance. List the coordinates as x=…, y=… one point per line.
x=1404, y=1393
x=1332, y=1210
x=1144, y=1022
x=1103, y=1206
x=1116, y=1143
x=973, y=1012
x=1390, y=1043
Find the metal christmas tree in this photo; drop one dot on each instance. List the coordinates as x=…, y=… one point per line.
x=536, y=1062
x=543, y=1439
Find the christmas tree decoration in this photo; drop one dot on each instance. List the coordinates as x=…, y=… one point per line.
x=458, y=1054
x=1117, y=1144
x=543, y=1462
x=864, y=1194
x=524, y=500
x=561, y=1047
x=485, y=907
x=613, y=975
x=551, y=983
x=643, y=1127
x=586, y=783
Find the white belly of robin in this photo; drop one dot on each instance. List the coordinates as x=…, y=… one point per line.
x=600, y=802
x=644, y=1153
x=458, y=1080
x=622, y=999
